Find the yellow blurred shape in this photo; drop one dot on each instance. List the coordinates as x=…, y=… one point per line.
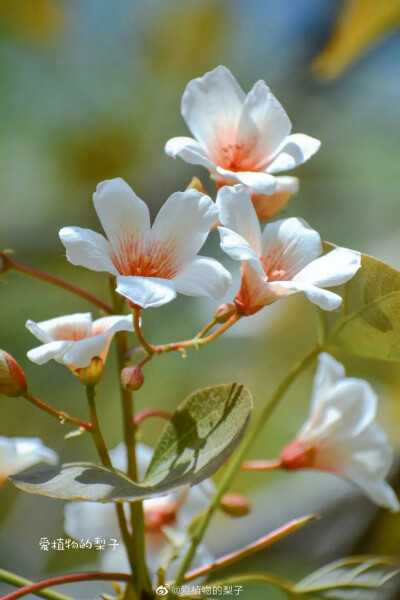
x=185, y=38
x=32, y=20
x=360, y=24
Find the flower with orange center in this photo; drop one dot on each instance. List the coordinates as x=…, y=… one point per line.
x=284, y=259
x=166, y=519
x=341, y=435
x=74, y=340
x=242, y=139
x=151, y=264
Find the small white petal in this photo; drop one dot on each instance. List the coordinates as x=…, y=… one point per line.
x=264, y=121
x=296, y=149
x=75, y=325
x=146, y=292
x=329, y=372
x=90, y=520
x=287, y=184
x=80, y=353
x=112, y=324
x=121, y=212
x=239, y=249
x=323, y=298
x=86, y=248
x=291, y=244
x=18, y=454
x=185, y=220
x=211, y=106
x=236, y=212
x=189, y=150
x=334, y=268
x=203, y=277
x=262, y=183
x=52, y=350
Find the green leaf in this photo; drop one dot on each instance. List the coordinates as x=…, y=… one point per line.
x=205, y=428
x=201, y=435
x=354, y=578
x=368, y=322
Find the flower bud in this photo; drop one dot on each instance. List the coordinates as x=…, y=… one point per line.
x=132, y=378
x=196, y=184
x=224, y=312
x=92, y=374
x=235, y=505
x=12, y=378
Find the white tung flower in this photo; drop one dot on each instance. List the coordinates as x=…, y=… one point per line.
x=241, y=139
x=284, y=259
x=73, y=340
x=341, y=435
x=165, y=518
x=18, y=454
x=152, y=264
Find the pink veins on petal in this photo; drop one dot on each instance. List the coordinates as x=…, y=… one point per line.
x=136, y=257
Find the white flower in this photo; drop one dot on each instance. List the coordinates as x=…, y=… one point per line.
x=18, y=454
x=341, y=434
x=284, y=259
x=73, y=340
x=153, y=263
x=239, y=138
x=165, y=518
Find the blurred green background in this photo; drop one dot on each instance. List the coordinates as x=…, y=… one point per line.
x=91, y=90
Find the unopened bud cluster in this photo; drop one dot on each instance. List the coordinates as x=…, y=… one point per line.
x=12, y=378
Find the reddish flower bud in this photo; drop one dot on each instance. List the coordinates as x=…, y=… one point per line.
x=132, y=378
x=235, y=505
x=224, y=312
x=12, y=378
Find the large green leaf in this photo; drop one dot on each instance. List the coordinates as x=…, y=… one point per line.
x=355, y=578
x=368, y=322
x=201, y=435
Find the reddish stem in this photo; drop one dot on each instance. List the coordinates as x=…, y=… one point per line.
x=259, y=544
x=145, y=414
x=261, y=465
x=53, y=581
x=15, y=266
x=60, y=415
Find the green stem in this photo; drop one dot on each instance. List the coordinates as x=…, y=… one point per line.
x=140, y=572
x=237, y=459
x=20, y=582
x=265, y=578
x=106, y=461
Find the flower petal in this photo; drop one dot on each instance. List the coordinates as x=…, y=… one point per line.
x=122, y=214
x=329, y=372
x=189, y=150
x=334, y=268
x=323, y=298
x=290, y=244
x=287, y=184
x=67, y=327
x=265, y=122
x=89, y=520
x=18, y=454
x=203, y=277
x=185, y=221
x=296, y=150
x=238, y=248
x=211, y=106
x=146, y=292
x=42, y=354
x=88, y=249
x=80, y=353
x=236, y=212
x=260, y=182
x=112, y=324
